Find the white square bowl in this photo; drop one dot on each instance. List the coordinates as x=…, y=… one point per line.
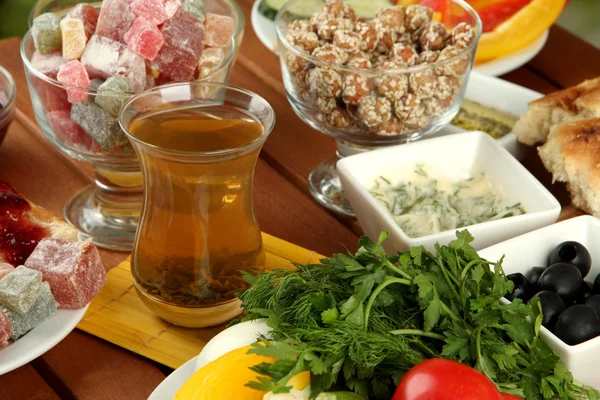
x=457, y=155
x=532, y=249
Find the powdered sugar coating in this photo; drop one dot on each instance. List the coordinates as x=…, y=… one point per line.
x=152, y=10
x=115, y=19
x=219, y=30
x=144, y=38
x=73, y=38
x=73, y=270
x=88, y=14
x=44, y=306
x=47, y=64
x=19, y=289
x=5, y=330
x=5, y=268
x=210, y=61
x=75, y=75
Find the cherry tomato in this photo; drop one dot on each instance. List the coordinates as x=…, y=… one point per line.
x=439, y=6
x=507, y=396
x=440, y=379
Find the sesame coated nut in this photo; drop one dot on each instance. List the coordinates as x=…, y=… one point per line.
x=355, y=87
x=416, y=16
x=300, y=25
x=392, y=19
x=392, y=127
x=324, y=82
x=325, y=104
x=433, y=36
x=408, y=107
x=339, y=9
x=386, y=41
x=392, y=85
x=317, y=19
x=428, y=57
x=374, y=110
x=338, y=118
x=359, y=63
x=329, y=53
x=423, y=83
x=406, y=54
x=462, y=35
x=346, y=40
x=369, y=33
x=406, y=40
x=307, y=41
x=329, y=26
x=447, y=86
x=455, y=67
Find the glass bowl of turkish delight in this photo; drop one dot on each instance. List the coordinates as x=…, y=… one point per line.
x=373, y=78
x=8, y=92
x=83, y=63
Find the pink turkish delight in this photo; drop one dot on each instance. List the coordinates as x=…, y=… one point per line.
x=5, y=268
x=47, y=64
x=184, y=41
x=219, y=30
x=52, y=97
x=5, y=330
x=115, y=19
x=74, y=74
x=172, y=6
x=67, y=130
x=153, y=10
x=104, y=57
x=73, y=270
x=73, y=38
x=88, y=14
x=144, y=38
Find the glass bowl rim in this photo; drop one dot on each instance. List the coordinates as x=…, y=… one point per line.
x=29, y=67
x=12, y=94
x=376, y=71
x=232, y=3
x=255, y=142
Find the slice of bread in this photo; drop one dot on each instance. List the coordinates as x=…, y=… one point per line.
x=575, y=103
x=572, y=155
x=36, y=215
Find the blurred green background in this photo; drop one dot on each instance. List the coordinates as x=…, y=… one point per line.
x=580, y=17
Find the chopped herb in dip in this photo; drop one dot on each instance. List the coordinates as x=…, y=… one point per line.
x=425, y=204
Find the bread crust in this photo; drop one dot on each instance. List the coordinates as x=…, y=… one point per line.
x=575, y=103
x=572, y=155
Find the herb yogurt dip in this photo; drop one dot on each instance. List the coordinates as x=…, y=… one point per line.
x=423, y=203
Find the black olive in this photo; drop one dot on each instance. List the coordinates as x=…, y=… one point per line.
x=523, y=289
x=594, y=302
x=533, y=275
x=577, y=324
x=562, y=278
x=573, y=253
x=596, y=289
x=552, y=307
x=584, y=293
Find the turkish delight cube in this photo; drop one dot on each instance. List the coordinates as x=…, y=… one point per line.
x=115, y=19
x=88, y=14
x=75, y=75
x=44, y=306
x=52, y=97
x=99, y=124
x=194, y=7
x=152, y=10
x=19, y=289
x=112, y=94
x=73, y=38
x=74, y=270
x=104, y=57
x=5, y=268
x=183, y=44
x=144, y=38
x=219, y=30
x=47, y=64
x=5, y=330
x=45, y=31
x=172, y=6
x=66, y=130
x=210, y=61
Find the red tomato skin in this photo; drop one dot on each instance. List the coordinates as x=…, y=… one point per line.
x=507, y=396
x=495, y=14
x=441, y=379
x=441, y=6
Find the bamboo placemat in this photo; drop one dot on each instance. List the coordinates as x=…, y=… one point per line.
x=118, y=315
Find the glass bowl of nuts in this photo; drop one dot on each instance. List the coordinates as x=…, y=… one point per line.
x=376, y=80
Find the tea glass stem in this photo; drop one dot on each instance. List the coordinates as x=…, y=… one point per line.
x=109, y=210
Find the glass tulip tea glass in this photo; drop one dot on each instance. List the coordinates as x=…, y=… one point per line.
x=8, y=93
x=198, y=144
x=108, y=211
x=369, y=86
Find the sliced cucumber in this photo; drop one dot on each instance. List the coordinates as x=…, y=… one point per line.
x=275, y=4
x=368, y=8
x=267, y=11
x=303, y=8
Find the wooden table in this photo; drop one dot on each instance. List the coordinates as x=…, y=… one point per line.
x=85, y=367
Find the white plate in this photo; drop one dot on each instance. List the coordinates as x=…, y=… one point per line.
x=265, y=30
x=230, y=339
x=40, y=339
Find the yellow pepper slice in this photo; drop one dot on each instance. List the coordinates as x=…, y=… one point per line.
x=520, y=30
